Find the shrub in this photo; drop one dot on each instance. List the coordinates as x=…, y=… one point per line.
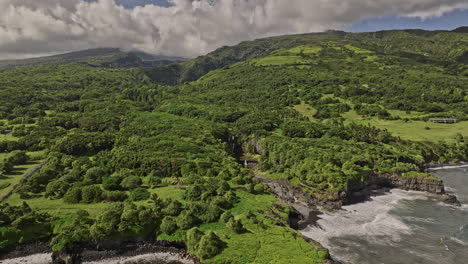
x=193, y=237
x=211, y=214
x=236, y=226
x=6, y=167
x=187, y=220
x=57, y=189
x=18, y=157
x=168, y=225
x=111, y=183
x=114, y=196
x=91, y=194
x=194, y=192
x=226, y=216
x=210, y=245
x=259, y=188
x=94, y=175
x=73, y=196
x=173, y=208
x=139, y=194
x=131, y=182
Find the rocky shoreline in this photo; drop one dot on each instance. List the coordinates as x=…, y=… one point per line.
x=308, y=208
x=23, y=250
x=106, y=251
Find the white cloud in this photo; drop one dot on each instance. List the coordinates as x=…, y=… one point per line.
x=187, y=28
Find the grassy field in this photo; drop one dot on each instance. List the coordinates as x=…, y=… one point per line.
x=19, y=171
x=414, y=130
x=279, y=60
x=410, y=130
x=8, y=137
x=171, y=192
x=268, y=244
x=306, y=110
x=409, y=114
x=421, y=131
x=14, y=178
x=307, y=50
x=274, y=244
x=61, y=209
x=58, y=207
x=358, y=50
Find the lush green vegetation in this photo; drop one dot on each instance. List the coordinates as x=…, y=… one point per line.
x=127, y=157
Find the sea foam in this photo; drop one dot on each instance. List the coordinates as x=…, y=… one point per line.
x=370, y=221
x=33, y=259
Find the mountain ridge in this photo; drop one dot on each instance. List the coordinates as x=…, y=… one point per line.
x=100, y=57
x=413, y=43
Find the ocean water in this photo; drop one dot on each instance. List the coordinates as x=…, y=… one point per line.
x=400, y=227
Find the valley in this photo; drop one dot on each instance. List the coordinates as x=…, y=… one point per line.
x=151, y=152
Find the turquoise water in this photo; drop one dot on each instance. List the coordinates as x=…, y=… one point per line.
x=400, y=227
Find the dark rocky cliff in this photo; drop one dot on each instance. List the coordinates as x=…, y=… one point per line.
x=357, y=192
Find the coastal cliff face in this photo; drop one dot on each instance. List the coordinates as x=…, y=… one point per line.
x=357, y=192
x=418, y=184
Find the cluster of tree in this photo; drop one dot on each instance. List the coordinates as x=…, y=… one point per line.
x=7, y=146
x=84, y=143
x=17, y=157
x=21, y=224
x=372, y=110
x=205, y=245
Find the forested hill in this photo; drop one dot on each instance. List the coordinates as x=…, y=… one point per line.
x=461, y=30
x=114, y=154
x=434, y=46
x=100, y=57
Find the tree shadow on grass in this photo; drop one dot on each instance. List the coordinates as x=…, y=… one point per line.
x=15, y=172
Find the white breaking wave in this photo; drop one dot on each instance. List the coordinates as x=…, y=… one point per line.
x=420, y=219
x=162, y=256
x=459, y=241
x=33, y=259
x=449, y=167
x=371, y=221
x=47, y=259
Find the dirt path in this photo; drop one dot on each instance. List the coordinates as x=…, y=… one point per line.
x=24, y=177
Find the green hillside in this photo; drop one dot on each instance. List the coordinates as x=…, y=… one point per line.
x=435, y=47
x=155, y=152
x=100, y=57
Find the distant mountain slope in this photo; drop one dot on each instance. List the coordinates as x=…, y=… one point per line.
x=461, y=30
x=193, y=69
x=439, y=47
x=100, y=57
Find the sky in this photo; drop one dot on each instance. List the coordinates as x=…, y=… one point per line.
x=448, y=21
x=189, y=28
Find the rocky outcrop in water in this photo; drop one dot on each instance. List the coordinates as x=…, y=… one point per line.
x=452, y=200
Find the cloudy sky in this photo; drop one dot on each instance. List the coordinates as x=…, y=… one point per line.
x=189, y=28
